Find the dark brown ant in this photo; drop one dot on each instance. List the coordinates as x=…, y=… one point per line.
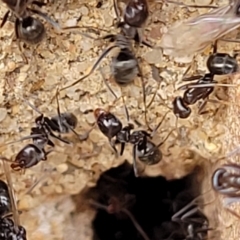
x=217, y=64
x=193, y=220
x=10, y=227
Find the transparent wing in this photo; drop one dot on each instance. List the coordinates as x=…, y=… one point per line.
x=187, y=38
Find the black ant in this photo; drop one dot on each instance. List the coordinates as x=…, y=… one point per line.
x=143, y=148
x=217, y=64
x=124, y=66
x=10, y=227
x=193, y=220
x=33, y=153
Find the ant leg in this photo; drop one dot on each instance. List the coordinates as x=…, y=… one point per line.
x=45, y=175
x=21, y=51
x=59, y=138
x=11, y=193
x=156, y=76
x=192, y=78
x=215, y=46
x=144, y=96
x=5, y=17
x=39, y=4
x=107, y=85
x=122, y=148
x=115, y=96
x=202, y=106
x=186, y=5
x=112, y=144
x=135, y=161
x=124, y=210
x=159, y=124
x=58, y=111
x=227, y=201
x=117, y=11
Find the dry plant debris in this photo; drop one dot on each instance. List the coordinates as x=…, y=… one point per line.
x=62, y=59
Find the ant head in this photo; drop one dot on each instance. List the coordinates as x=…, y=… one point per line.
x=98, y=112
x=40, y=120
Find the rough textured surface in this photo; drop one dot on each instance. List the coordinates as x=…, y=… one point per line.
x=61, y=59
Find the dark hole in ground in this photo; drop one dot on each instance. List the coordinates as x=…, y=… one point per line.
x=151, y=201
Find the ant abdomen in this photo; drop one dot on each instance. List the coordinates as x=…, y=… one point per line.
x=29, y=156
x=124, y=67
x=30, y=30
x=67, y=120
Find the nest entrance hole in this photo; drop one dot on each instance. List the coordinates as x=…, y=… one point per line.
x=124, y=202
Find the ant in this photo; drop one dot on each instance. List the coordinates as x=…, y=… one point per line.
x=10, y=227
x=33, y=153
x=217, y=64
x=226, y=181
x=124, y=67
x=143, y=148
x=193, y=220
x=27, y=28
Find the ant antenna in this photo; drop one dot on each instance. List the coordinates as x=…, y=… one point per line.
x=104, y=54
x=23, y=138
x=32, y=106
x=58, y=111
x=144, y=96
x=185, y=87
x=117, y=11
x=159, y=124
x=114, y=94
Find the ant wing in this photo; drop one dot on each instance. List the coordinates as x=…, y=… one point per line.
x=194, y=35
